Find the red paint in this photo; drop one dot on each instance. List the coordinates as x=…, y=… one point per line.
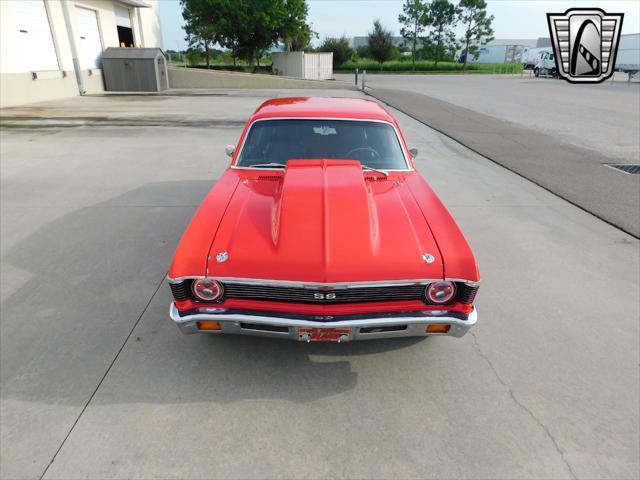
x=323, y=221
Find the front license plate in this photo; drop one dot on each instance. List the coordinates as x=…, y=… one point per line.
x=310, y=334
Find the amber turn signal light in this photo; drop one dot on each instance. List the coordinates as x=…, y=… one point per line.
x=438, y=328
x=208, y=325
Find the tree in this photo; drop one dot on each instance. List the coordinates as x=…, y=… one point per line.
x=442, y=18
x=380, y=43
x=363, y=51
x=296, y=33
x=301, y=40
x=478, y=31
x=414, y=19
x=230, y=27
x=256, y=25
x=201, y=25
x=248, y=28
x=340, y=48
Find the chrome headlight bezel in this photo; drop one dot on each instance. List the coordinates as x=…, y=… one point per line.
x=440, y=292
x=207, y=290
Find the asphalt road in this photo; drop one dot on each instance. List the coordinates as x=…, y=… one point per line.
x=603, y=118
x=585, y=127
x=97, y=383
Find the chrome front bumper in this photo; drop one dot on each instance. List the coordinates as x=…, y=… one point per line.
x=285, y=325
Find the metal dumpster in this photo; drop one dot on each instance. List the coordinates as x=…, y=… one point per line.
x=134, y=70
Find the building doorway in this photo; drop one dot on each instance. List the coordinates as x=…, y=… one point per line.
x=125, y=30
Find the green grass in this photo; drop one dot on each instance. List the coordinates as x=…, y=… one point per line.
x=427, y=66
x=393, y=66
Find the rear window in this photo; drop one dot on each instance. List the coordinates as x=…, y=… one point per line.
x=374, y=144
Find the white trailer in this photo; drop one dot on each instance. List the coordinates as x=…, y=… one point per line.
x=310, y=66
x=628, y=57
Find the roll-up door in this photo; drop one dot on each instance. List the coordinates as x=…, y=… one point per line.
x=89, y=44
x=34, y=35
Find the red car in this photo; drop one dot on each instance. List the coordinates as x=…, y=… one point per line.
x=322, y=230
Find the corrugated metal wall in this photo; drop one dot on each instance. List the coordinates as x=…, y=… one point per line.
x=289, y=64
x=318, y=66
x=310, y=66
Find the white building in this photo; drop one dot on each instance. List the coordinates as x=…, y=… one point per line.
x=357, y=42
x=51, y=48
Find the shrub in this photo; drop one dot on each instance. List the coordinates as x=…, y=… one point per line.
x=340, y=48
x=429, y=66
x=194, y=57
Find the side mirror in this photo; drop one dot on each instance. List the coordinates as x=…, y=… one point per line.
x=230, y=150
x=413, y=152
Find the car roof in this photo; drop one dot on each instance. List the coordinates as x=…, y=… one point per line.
x=322, y=107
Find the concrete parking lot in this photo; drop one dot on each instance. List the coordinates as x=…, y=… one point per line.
x=97, y=383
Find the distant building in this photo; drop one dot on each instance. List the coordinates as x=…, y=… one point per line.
x=525, y=42
x=357, y=42
x=52, y=49
x=543, y=42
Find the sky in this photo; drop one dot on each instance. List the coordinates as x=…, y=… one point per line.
x=524, y=19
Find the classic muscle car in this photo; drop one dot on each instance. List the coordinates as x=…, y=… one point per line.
x=322, y=230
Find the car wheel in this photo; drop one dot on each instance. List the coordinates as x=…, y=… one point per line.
x=536, y=72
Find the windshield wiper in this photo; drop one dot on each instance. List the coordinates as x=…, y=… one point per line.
x=367, y=167
x=267, y=165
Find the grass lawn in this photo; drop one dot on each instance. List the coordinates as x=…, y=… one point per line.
x=426, y=66
x=371, y=66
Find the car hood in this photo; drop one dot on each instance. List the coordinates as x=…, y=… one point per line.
x=323, y=221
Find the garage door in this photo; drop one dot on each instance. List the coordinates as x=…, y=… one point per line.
x=34, y=35
x=89, y=44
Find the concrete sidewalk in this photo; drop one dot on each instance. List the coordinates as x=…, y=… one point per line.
x=175, y=107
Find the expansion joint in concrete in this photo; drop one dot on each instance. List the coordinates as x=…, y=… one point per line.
x=522, y=406
x=95, y=390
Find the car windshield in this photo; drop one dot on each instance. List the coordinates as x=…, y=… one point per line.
x=374, y=144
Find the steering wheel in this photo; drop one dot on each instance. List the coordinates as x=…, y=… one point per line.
x=372, y=153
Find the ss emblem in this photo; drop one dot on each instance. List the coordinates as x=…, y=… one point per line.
x=324, y=296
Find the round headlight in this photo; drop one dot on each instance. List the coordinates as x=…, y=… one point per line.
x=440, y=292
x=206, y=290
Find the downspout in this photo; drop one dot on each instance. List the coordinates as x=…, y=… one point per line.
x=140, y=33
x=74, y=49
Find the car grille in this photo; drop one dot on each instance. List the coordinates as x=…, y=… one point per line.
x=180, y=290
x=466, y=293
x=275, y=293
x=318, y=296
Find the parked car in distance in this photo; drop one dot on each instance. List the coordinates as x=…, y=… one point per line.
x=321, y=229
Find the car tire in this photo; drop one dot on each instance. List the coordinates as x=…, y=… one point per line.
x=536, y=72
